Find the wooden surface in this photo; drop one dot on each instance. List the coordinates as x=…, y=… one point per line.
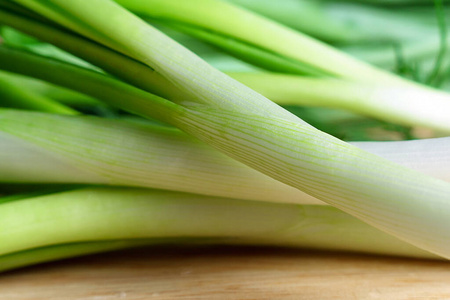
x=229, y=273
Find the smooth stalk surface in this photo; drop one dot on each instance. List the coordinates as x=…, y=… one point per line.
x=107, y=214
x=250, y=128
x=46, y=148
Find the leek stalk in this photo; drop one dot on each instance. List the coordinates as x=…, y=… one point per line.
x=250, y=128
x=46, y=148
x=370, y=99
x=99, y=219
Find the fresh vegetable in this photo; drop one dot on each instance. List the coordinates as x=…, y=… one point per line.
x=49, y=148
x=97, y=219
x=126, y=63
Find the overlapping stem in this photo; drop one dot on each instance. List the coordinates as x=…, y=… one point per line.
x=252, y=129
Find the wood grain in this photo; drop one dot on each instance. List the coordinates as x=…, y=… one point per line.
x=229, y=273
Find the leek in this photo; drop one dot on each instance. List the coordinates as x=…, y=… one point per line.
x=45, y=148
x=115, y=218
x=409, y=107
x=371, y=99
x=248, y=127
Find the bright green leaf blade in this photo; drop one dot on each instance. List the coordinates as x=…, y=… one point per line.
x=15, y=96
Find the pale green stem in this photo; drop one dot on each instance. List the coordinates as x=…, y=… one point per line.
x=396, y=104
x=250, y=128
x=383, y=194
x=249, y=53
x=371, y=100
x=48, y=149
x=105, y=214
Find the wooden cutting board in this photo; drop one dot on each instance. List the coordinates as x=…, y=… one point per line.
x=229, y=273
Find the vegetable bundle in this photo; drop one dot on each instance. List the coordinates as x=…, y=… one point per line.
x=193, y=154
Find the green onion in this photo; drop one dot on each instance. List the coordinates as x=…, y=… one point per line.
x=370, y=99
x=395, y=104
x=48, y=148
x=110, y=218
x=250, y=128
